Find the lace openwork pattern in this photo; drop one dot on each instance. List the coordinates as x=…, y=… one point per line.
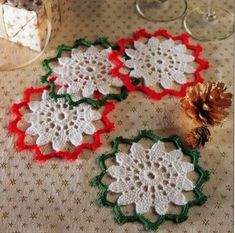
x=84, y=74
x=159, y=62
x=162, y=61
x=57, y=123
x=150, y=178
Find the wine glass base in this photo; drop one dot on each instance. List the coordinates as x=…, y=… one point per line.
x=200, y=27
x=161, y=10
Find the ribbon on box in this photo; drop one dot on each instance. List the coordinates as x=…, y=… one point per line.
x=2, y=25
x=11, y=66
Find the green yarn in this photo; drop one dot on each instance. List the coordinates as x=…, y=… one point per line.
x=147, y=224
x=135, y=81
x=103, y=41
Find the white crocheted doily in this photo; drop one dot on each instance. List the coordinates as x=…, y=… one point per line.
x=58, y=123
x=161, y=62
x=86, y=72
x=151, y=178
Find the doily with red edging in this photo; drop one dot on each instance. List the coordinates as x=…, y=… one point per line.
x=56, y=124
x=157, y=62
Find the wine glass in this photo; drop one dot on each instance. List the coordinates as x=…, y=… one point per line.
x=209, y=23
x=161, y=10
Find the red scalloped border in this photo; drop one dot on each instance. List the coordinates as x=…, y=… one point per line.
x=114, y=58
x=20, y=144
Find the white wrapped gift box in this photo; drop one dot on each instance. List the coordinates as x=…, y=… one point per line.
x=29, y=28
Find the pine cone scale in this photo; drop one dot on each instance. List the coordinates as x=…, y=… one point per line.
x=206, y=103
x=197, y=137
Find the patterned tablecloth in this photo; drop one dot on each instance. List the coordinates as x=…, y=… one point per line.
x=56, y=196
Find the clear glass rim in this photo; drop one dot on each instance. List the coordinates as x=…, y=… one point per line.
x=152, y=20
x=201, y=39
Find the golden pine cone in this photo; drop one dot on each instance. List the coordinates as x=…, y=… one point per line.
x=197, y=137
x=206, y=103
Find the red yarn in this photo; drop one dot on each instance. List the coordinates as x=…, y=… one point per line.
x=39, y=156
x=114, y=58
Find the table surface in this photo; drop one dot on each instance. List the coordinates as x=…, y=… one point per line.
x=56, y=196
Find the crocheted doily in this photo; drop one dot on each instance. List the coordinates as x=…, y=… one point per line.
x=160, y=65
x=84, y=73
x=57, y=125
x=153, y=177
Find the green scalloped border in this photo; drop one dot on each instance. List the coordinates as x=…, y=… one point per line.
x=102, y=41
x=147, y=224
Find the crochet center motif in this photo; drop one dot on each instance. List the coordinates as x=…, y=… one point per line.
x=151, y=178
x=58, y=123
x=86, y=72
x=161, y=62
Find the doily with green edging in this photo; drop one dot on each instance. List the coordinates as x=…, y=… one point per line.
x=151, y=178
x=84, y=74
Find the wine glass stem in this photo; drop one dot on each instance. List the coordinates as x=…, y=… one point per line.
x=210, y=15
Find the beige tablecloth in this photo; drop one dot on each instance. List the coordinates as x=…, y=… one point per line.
x=56, y=196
